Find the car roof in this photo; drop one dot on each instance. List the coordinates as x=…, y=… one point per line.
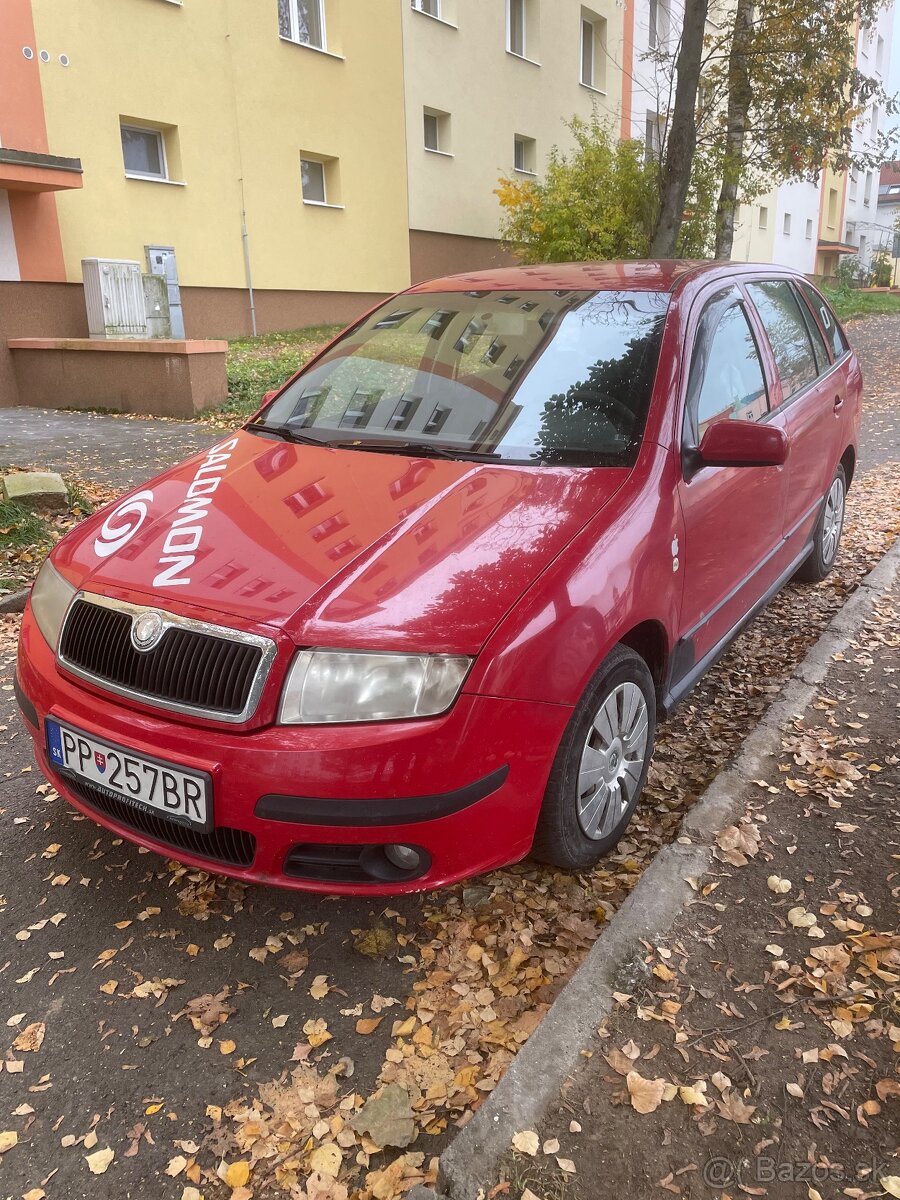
x=651, y=275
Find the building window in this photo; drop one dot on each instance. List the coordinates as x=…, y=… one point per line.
x=879, y=56
x=832, y=207
x=525, y=154
x=809, y=229
x=522, y=28
x=593, y=50
x=437, y=131
x=144, y=152
x=652, y=137
x=867, y=192
x=787, y=225
x=763, y=218
x=302, y=21
x=319, y=180
x=873, y=127
x=431, y=7
x=658, y=25
x=850, y=232
x=854, y=184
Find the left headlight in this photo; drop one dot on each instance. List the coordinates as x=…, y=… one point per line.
x=334, y=686
x=50, y=597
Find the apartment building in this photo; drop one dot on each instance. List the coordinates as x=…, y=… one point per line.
x=811, y=226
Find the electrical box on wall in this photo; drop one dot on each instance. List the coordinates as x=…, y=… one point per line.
x=114, y=295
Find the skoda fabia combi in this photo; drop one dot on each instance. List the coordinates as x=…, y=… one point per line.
x=419, y=617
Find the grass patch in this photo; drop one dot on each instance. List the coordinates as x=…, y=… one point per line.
x=25, y=539
x=256, y=365
x=849, y=303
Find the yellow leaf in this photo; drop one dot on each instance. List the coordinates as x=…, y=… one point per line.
x=31, y=1037
x=109, y=987
x=8, y=1139
x=227, y=1047
x=367, y=1025
x=151, y=1109
x=526, y=1142
x=891, y=1184
x=237, y=1173
x=326, y=1160
x=98, y=1163
x=692, y=1095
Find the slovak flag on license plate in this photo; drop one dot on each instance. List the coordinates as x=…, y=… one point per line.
x=100, y=760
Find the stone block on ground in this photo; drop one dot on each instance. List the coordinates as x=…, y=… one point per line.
x=40, y=491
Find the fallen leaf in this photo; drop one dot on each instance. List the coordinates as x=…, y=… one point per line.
x=326, y=1159
x=31, y=1037
x=8, y=1139
x=98, y=1163
x=646, y=1094
x=237, y=1173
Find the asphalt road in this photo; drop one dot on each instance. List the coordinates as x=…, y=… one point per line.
x=79, y=909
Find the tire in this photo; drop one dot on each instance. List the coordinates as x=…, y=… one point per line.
x=827, y=533
x=579, y=822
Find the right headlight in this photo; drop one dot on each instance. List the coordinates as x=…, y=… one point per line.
x=50, y=598
x=334, y=686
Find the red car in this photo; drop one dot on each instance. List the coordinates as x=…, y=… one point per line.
x=418, y=618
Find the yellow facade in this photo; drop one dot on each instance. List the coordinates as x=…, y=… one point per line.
x=237, y=105
x=463, y=66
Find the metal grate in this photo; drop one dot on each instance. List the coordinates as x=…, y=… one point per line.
x=187, y=667
x=234, y=847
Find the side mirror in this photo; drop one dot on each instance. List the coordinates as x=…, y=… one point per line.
x=742, y=444
x=269, y=395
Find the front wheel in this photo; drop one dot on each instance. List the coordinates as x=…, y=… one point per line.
x=827, y=534
x=601, y=765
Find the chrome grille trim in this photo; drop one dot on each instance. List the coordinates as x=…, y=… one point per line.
x=266, y=645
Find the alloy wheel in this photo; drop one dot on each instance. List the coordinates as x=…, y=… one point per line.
x=612, y=761
x=833, y=520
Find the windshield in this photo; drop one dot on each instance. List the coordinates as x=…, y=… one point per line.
x=557, y=377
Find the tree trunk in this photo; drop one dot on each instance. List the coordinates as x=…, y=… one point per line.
x=739, y=98
x=682, y=140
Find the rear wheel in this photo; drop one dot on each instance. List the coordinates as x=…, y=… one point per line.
x=601, y=765
x=827, y=534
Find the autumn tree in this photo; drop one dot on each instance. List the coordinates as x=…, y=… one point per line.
x=781, y=93
x=598, y=201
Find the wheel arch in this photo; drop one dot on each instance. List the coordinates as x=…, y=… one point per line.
x=650, y=640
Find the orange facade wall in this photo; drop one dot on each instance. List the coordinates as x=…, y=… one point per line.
x=22, y=127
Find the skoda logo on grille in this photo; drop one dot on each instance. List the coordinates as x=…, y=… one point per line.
x=146, y=630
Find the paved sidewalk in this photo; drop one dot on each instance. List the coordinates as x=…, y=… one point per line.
x=116, y=451
x=754, y=1049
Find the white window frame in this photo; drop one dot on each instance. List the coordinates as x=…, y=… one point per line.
x=809, y=229
x=763, y=218
x=523, y=7
x=520, y=139
x=441, y=128
x=591, y=22
x=419, y=6
x=653, y=25
x=786, y=224
x=161, y=140
x=294, y=17
x=327, y=164
x=587, y=24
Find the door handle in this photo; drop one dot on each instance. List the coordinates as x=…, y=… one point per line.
x=838, y=403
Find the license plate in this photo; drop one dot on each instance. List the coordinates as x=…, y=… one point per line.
x=136, y=779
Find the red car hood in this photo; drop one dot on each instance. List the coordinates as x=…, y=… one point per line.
x=338, y=547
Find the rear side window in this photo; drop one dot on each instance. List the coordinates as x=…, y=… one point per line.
x=833, y=333
x=779, y=311
x=812, y=328
x=732, y=386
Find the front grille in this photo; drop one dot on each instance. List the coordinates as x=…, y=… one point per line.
x=233, y=847
x=188, y=667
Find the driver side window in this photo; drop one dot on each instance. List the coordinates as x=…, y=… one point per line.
x=733, y=386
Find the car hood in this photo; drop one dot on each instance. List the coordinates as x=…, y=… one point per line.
x=338, y=547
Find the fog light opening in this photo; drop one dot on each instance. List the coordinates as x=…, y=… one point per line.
x=405, y=858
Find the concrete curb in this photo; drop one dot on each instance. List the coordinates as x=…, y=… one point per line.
x=14, y=603
x=534, y=1078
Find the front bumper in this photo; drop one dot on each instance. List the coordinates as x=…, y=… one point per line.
x=465, y=787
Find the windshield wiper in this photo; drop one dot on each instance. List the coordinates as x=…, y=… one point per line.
x=417, y=449
x=287, y=432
